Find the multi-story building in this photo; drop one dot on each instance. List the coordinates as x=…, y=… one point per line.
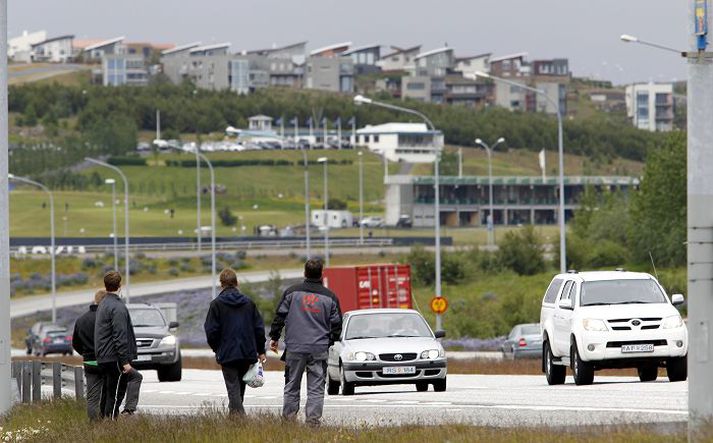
x=427, y=77
x=95, y=51
x=53, y=50
x=365, y=59
x=328, y=69
x=552, y=77
x=408, y=142
x=124, y=69
x=400, y=59
x=468, y=92
x=464, y=201
x=284, y=65
x=650, y=106
x=19, y=49
x=468, y=66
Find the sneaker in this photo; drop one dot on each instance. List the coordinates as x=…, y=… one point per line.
x=127, y=413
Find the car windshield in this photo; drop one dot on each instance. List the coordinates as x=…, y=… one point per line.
x=531, y=330
x=387, y=325
x=619, y=292
x=146, y=317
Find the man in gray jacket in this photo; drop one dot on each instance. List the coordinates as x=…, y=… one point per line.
x=114, y=343
x=313, y=320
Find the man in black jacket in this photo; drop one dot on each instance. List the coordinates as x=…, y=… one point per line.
x=313, y=320
x=83, y=343
x=114, y=341
x=235, y=331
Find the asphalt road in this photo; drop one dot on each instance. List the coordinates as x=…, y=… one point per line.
x=22, y=306
x=488, y=400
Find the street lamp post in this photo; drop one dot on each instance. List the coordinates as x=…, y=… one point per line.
x=324, y=162
x=53, y=250
x=361, y=197
x=112, y=182
x=308, y=235
x=5, y=354
x=126, y=220
x=359, y=100
x=212, y=222
x=560, y=139
x=199, y=192
x=491, y=217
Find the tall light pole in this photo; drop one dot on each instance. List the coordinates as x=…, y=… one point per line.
x=5, y=397
x=199, y=193
x=112, y=182
x=53, y=250
x=631, y=39
x=324, y=162
x=212, y=223
x=308, y=234
x=127, y=259
x=359, y=100
x=491, y=219
x=560, y=143
x=361, y=197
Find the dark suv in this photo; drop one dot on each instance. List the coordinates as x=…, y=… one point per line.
x=157, y=346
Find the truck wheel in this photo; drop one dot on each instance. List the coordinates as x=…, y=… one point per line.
x=170, y=372
x=583, y=371
x=347, y=388
x=421, y=387
x=332, y=386
x=648, y=373
x=440, y=385
x=555, y=374
x=677, y=368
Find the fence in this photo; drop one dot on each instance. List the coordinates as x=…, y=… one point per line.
x=31, y=375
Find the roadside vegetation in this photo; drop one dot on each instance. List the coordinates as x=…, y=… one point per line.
x=65, y=420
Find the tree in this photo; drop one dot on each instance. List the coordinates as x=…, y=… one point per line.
x=522, y=251
x=227, y=217
x=336, y=204
x=658, y=211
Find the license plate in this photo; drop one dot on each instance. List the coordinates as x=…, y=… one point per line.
x=58, y=341
x=143, y=358
x=649, y=347
x=399, y=370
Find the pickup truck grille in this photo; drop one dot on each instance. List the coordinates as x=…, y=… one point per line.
x=628, y=324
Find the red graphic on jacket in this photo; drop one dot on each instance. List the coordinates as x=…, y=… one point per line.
x=309, y=303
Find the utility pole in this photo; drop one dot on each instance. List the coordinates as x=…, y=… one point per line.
x=5, y=398
x=700, y=219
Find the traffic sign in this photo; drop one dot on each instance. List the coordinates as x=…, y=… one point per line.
x=439, y=305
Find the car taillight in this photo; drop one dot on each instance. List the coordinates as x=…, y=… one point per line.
x=68, y=338
x=47, y=340
x=522, y=343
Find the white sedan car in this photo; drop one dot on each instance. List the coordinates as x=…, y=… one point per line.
x=386, y=346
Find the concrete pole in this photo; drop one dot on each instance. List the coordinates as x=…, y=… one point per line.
x=199, y=233
x=115, y=233
x=212, y=224
x=361, y=198
x=700, y=232
x=5, y=397
x=460, y=162
x=491, y=217
x=308, y=223
x=437, y=220
x=326, y=217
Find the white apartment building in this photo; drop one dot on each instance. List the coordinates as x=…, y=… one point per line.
x=650, y=106
x=19, y=49
x=407, y=142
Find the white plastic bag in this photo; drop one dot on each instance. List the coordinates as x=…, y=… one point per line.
x=255, y=377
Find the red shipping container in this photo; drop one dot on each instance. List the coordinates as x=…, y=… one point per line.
x=370, y=286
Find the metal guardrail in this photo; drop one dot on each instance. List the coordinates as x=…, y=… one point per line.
x=31, y=375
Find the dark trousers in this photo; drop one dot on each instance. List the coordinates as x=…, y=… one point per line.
x=113, y=374
x=95, y=388
x=296, y=365
x=233, y=374
x=129, y=387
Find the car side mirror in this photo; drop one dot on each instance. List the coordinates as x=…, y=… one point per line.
x=566, y=304
x=440, y=334
x=677, y=299
x=173, y=325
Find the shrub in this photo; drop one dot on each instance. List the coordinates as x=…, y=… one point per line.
x=227, y=217
x=522, y=252
x=174, y=272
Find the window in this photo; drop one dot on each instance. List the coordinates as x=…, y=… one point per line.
x=376, y=139
x=565, y=291
x=617, y=292
x=553, y=290
x=416, y=86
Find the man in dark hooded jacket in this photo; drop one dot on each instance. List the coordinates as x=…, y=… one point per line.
x=236, y=333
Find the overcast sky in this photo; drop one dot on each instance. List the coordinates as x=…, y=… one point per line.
x=586, y=32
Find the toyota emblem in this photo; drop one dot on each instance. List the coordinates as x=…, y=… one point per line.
x=636, y=322
x=398, y=357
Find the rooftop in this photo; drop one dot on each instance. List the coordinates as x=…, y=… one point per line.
x=508, y=57
x=225, y=45
x=397, y=50
x=433, y=52
x=608, y=275
x=53, y=39
x=396, y=128
x=473, y=57
x=333, y=47
x=360, y=48
x=276, y=49
x=181, y=48
x=103, y=43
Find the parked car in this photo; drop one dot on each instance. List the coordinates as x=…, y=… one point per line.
x=404, y=222
x=51, y=339
x=524, y=341
x=386, y=346
x=372, y=222
x=618, y=319
x=157, y=346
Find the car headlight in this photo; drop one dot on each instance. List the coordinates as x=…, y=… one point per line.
x=430, y=354
x=362, y=356
x=593, y=324
x=672, y=322
x=168, y=340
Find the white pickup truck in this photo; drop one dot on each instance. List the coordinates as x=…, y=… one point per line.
x=611, y=319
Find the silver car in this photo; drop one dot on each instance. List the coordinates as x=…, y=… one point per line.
x=524, y=341
x=386, y=346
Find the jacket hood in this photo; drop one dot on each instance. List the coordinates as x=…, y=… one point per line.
x=232, y=297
